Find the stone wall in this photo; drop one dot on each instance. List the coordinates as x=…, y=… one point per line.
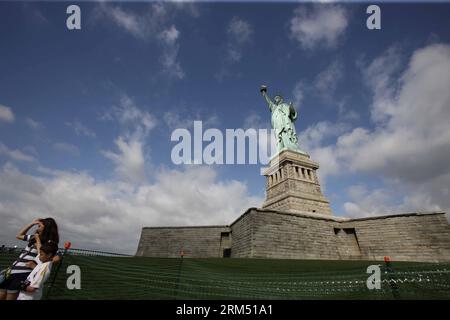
x=267, y=233
x=311, y=205
x=196, y=242
x=404, y=237
x=241, y=235
x=407, y=237
x=285, y=236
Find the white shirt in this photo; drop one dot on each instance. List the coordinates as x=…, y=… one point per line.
x=37, y=279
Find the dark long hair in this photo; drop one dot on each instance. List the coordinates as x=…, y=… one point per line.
x=50, y=232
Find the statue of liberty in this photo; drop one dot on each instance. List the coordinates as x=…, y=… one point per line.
x=283, y=118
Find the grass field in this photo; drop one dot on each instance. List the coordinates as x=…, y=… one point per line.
x=158, y=278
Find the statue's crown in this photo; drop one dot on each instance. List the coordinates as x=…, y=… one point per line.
x=278, y=95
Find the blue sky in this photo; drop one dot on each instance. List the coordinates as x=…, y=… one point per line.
x=86, y=115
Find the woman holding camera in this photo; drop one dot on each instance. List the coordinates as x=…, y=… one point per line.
x=47, y=232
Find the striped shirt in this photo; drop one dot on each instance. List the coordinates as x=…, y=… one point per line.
x=28, y=254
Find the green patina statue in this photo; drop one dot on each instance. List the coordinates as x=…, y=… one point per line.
x=283, y=117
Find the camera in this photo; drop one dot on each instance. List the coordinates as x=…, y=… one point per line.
x=23, y=285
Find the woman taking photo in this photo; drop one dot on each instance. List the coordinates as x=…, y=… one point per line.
x=47, y=231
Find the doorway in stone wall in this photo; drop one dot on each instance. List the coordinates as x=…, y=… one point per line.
x=225, y=245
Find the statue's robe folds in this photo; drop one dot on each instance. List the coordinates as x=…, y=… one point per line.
x=283, y=117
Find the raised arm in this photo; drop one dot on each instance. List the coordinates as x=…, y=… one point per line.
x=269, y=102
x=38, y=242
x=23, y=232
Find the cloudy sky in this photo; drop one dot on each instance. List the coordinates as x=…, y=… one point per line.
x=86, y=116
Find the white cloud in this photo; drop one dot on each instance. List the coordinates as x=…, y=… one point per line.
x=240, y=30
x=153, y=24
x=128, y=21
x=298, y=94
x=188, y=6
x=315, y=140
x=6, y=114
x=184, y=119
x=128, y=114
x=67, y=148
x=387, y=200
x=428, y=196
x=314, y=136
x=80, y=129
x=255, y=121
x=326, y=81
x=323, y=86
x=170, y=35
x=130, y=160
x=174, y=120
x=380, y=76
x=319, y=25
x=109, y=215
x=239, y=35
x=143, y=25
x=366, y=202
x=410, y=144
x=412, y=140
x=33, y=124
x=267, y=145
x=169, y=58
x=30, y=150
x=15, y=154
x=345, y=113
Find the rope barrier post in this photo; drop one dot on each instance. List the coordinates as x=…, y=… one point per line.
x=179, y=274
x=66, y=247
x=390, y=277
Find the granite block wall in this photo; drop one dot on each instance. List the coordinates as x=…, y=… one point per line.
x=267, y=233
x=408, y=237
x=404, y=237
x=196, y=242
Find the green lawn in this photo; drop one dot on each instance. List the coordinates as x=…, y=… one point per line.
x=160, y=278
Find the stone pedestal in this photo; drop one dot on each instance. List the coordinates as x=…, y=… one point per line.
x=292, y=185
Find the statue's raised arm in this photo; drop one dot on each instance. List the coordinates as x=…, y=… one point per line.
x=263, y=90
